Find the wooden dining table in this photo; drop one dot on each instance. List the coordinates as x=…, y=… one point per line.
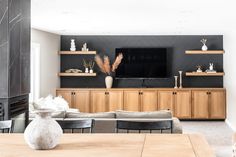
x=112, y=145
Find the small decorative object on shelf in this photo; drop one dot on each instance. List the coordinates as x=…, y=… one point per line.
x=105, y=67
x=91, y=65
x=43, y=132
x=204, y=47
x=72, y=45
x=176, y=81
x=84, y=48
x=199, y=68
x=180, y=79
x=211, y=68
x=86, y=66
x=73, y=71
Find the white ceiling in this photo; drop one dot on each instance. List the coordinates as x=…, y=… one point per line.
x=132, y=17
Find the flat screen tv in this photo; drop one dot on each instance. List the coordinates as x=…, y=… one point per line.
x=142, y=63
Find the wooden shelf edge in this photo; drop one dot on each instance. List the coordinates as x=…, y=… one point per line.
x=204, y=74
x=204, y=52
x=77, y=52
x=77, y=74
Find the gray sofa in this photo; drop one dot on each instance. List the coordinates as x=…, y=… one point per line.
x=105, y=122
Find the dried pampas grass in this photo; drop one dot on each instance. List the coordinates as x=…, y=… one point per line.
x=117, y=62
x=99, y=62
x=105, y=66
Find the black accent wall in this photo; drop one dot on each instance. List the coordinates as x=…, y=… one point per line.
x=178, y=59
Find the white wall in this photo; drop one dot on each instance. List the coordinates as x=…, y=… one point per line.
x=49, y=60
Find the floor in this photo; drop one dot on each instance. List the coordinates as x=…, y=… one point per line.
x=218, y=135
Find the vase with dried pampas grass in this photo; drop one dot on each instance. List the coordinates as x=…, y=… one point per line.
x=107, y=68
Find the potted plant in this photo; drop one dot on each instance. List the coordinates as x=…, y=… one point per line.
x=105, y=67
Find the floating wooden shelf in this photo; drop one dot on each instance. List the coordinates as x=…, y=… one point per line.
x=77, y=52
x=204, y=74
x=77, y=74
x=204, y=52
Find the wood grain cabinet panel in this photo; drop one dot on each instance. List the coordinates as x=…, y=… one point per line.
x=131, y=100
x=165, y=100
x=217, y=104
x=149, y=100
x=115, y=100
x=82, y=101
x=98, y=101
x=200, y=104
x=182, y=104
x=67, y=95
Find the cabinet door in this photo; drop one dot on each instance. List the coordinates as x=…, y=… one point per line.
x=98, y=101
x=115, y=100
x=149, y=100
x=217, y=104
x=82, y=101
x=131, y=100
x=68, y=96
x=200, y=104
x=166, y=100
x=183, y=104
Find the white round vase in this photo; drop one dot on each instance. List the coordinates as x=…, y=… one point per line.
x=108, y=81
x=204, y=47
x=43, y=132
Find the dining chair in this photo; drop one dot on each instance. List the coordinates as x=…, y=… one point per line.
x=143, y=125
x=77, y=124
x=6, y=126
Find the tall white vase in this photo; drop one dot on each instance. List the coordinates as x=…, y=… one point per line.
x=43, y=132
x=108, y=81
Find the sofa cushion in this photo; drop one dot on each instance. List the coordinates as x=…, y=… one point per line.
x=55, y=114
x=90, y=115
x=154, y=114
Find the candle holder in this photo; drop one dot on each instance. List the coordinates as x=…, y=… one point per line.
x=176, y=81
x=180, y=79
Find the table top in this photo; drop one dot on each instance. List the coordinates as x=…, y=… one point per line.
x=112, y=145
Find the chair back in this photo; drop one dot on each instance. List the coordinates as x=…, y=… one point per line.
x=77, y=124
x=6, y=126
x=143, y=125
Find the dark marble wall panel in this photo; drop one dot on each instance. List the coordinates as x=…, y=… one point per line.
x=3, y=48
x=25, y=47
x=179, y=60
x=15, y=48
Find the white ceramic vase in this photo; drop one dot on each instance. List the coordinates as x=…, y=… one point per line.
x=204, y=47
x=108, y=81
x=43, y=132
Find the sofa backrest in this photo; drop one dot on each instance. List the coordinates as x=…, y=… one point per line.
x=91, y=115
x=162, y=114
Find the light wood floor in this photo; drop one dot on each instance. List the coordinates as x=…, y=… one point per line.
x=218, y=135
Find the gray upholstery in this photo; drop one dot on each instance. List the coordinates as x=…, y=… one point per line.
x=56, y=114
x=152, y=115
x=91, y=115
x=105, y=122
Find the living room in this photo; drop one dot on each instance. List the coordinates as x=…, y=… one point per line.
x=154, y=70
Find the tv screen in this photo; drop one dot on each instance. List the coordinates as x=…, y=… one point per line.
x=142, y=63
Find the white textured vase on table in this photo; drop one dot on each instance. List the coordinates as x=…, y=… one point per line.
x=108, y=81
x=43, y=132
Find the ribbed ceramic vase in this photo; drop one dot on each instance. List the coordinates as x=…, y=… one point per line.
x=108, y=81
x=43, y=132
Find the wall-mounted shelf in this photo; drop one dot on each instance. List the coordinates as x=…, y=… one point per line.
x=204, y=52
x=77, y=52
x=204, y=74
x=77, y=74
